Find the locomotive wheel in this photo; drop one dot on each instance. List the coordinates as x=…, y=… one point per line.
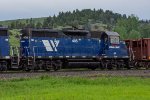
x=48, y=66
x=118, y=67
x=109, y=67
x=26, y=68
x=106, y=66
x=57, y=65
x=55, y=68
x=3, y=66
x=47, y=70
x=128, y=67
x=102, y=66
x=148, y=66
x=136, y=65
x=92, y=68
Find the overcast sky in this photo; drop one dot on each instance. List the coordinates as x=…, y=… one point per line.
x=17, y=9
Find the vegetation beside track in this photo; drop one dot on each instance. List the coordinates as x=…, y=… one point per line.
x=77, y=88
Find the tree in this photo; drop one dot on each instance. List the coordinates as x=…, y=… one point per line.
x=128, y=28
x=134, y=35
x=48, y=22
x=122, y=32
x=145, y=30
x=39, y=25
x=13, y=25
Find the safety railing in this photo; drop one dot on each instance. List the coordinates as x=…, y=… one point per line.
x=15, y=54
x=14, y=51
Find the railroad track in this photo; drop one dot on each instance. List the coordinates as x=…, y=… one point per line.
x=76, y=73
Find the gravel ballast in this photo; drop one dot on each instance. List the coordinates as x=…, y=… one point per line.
x=76, y=73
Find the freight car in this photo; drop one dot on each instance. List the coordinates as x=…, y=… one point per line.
x=139, y=51
x=51, y=49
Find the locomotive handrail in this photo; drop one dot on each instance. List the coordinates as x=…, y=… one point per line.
x=27, y=50
x=34, y=53
x=18, y=56
x=132, y=57
x=14, y=48
x=15, y=55
x=11, y=51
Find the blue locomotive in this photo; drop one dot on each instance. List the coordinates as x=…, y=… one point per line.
x=4, y=49
x=52, y=49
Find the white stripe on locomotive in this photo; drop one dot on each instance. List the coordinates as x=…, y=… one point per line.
x=52, y=45
x=47, y=45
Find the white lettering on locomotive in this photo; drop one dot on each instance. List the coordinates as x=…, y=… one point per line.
x=51, y=45
x=75, y=40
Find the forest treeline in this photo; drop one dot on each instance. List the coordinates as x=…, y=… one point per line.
x=126, y=26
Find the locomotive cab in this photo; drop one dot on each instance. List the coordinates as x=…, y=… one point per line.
x=112, y=45
x=113, y=51
x=109, y=39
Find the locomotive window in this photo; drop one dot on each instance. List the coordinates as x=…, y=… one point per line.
x=44, y=34
x=114, y=40
x=3, y=32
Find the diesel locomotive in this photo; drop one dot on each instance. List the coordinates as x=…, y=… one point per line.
x=49, y=49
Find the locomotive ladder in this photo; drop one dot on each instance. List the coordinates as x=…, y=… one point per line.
x=132, y=57
x=29, y=60
x=15, y=57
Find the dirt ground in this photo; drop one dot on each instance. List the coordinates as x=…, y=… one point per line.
x=76, y=73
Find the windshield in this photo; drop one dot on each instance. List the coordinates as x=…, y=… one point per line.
x=114, y=39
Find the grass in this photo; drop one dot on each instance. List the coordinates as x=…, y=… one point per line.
x=67, y=88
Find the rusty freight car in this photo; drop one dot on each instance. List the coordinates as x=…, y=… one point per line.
x=139, y=52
